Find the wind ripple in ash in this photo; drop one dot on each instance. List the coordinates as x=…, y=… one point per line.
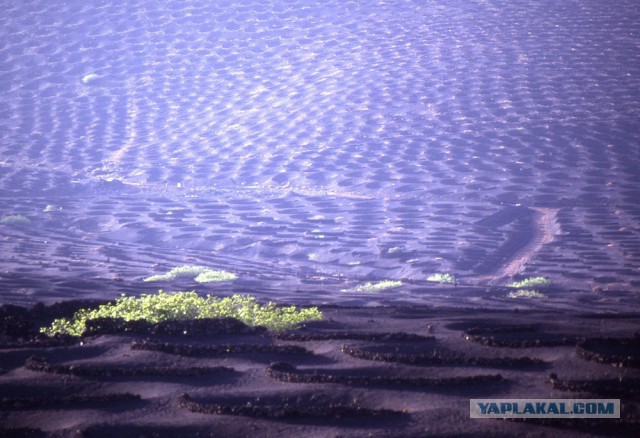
x=447, y=98
x=405, y=104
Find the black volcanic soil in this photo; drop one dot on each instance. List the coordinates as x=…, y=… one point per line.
x=392, y=371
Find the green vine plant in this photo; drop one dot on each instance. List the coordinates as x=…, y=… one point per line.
x=443, y=278
x=155, y=308
x=199, y=273
x=531, y=282
x=374, y=287
x=525, y=287
x=526, y=293
x=15, y=219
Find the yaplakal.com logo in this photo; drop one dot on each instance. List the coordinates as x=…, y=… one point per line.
x=545, y=408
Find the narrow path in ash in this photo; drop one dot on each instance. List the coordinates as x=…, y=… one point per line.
x=532, y=228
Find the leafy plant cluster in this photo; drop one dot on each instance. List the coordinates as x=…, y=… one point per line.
x=375, y=287
x=443, y=278
x=526, y=293
x=199, y=273
x=531, y=282
x=187, y=305
x=524, y=287
x=15, y=219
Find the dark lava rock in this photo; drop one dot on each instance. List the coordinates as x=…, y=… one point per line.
x=442, y=358
x=42, y=365
x=283, y=409
x=620, y=352
x=331, y=336
x=218, y=349
x=286, y=372
x=187, y=327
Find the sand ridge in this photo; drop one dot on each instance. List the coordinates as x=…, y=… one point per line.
x=545, y=228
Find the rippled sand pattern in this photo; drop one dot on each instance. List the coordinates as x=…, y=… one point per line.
x=316, y=144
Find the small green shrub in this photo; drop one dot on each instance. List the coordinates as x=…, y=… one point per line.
x=15, y=219
x=526, y=293
x=375, y=287
x=187, y=305
x=199, y=273
x=443, y=278
x=531, y=282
